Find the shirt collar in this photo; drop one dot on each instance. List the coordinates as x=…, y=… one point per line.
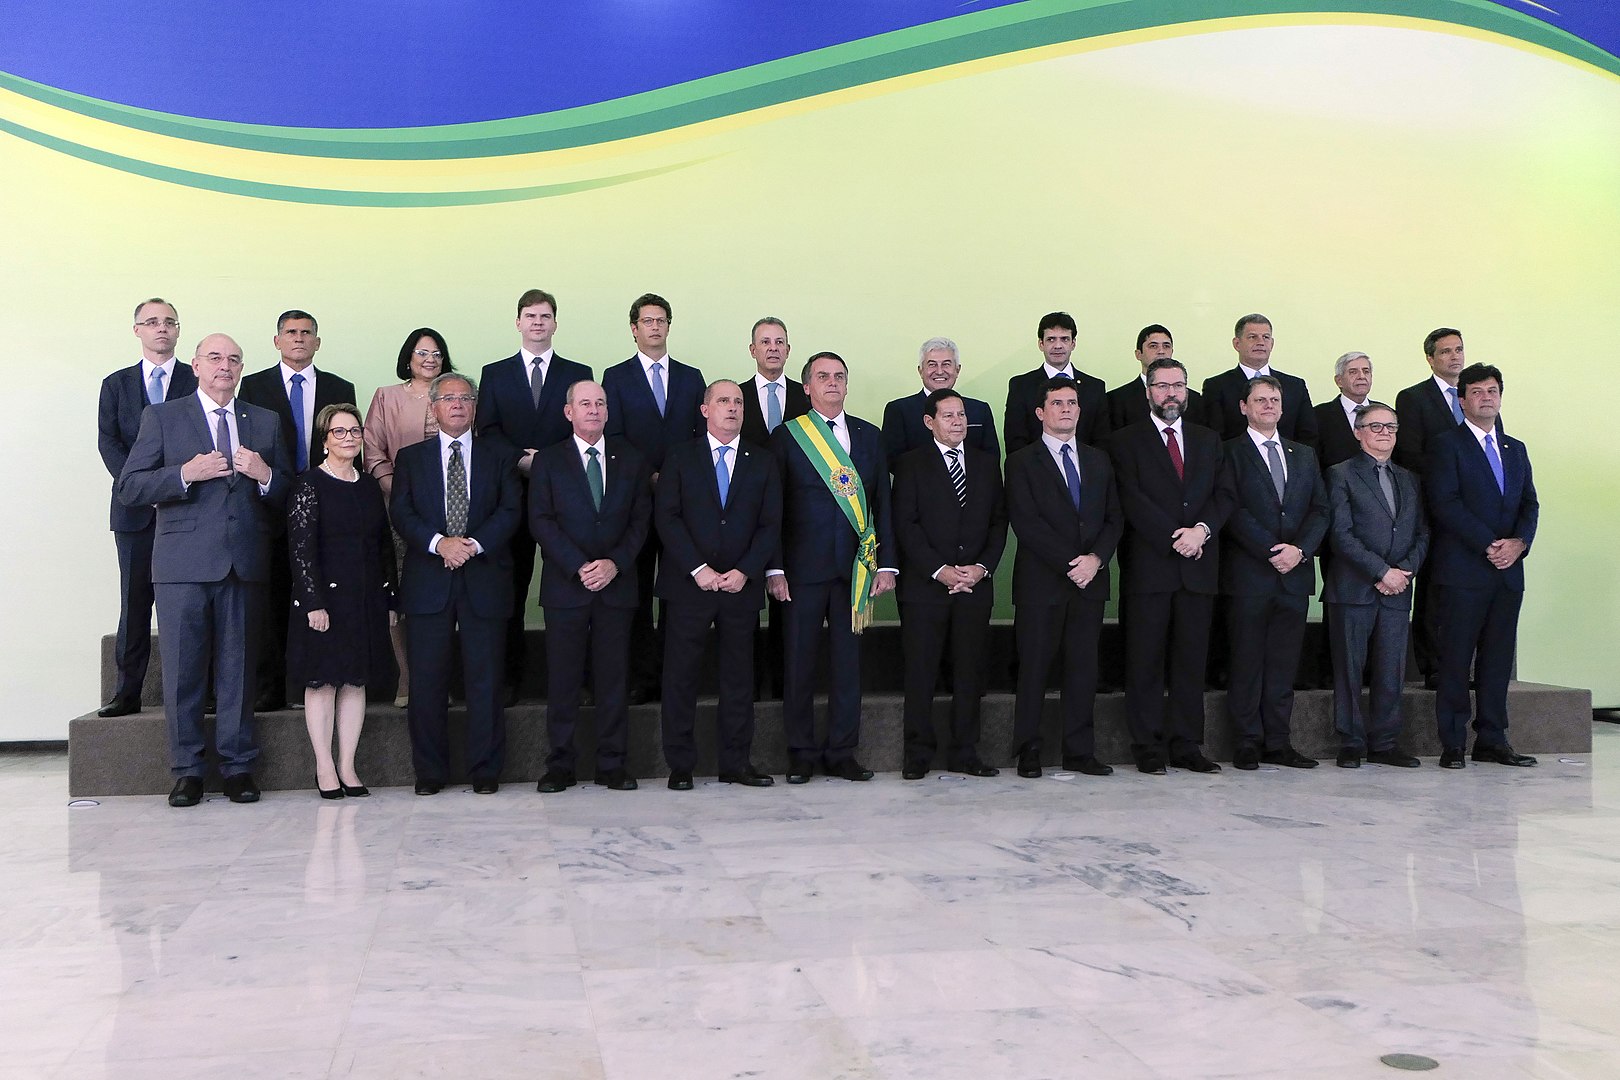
x=287, y=373
x=1479, y=433
x=581, y=445
x=835, y=418
x=1254, y=372
x=1052, y=372
x=943, y=450
x=1446, y=389
x=647, y=362
x=1162, y=426
x=211, y=406
x=762, y=382
x=545, y=357
x=1260, y=440
x=1057, y=445
x=715, y=444
x=465, y=438
x=147, y=367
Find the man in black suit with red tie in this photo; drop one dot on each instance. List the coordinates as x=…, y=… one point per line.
x=718, y=510
x=1279, y=518
x=1128, y=402
x=455, y=505
x=125, y=394
x=1482, y=501
x=521, y=402
x=951, y=523
x=590, y=506
x=1066, y=514
x=653, y=402
x=1170, y=485
x=1252, y=341
x=1055, y=334
x=296, y=391
x=1336, y=419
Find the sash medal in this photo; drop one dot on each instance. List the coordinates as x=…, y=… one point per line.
x=844, y=483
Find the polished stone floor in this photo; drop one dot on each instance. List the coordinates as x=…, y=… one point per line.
x=1271, y=924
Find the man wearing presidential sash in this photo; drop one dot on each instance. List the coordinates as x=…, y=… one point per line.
x=837, y=556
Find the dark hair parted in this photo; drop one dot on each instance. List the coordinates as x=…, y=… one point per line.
x=403, y=368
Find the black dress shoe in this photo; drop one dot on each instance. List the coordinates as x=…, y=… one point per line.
x=680, y=781
x=749, y=777
x=1502, y=755
x=241, y=788
x=615, y=780
x=486, y=786
x=120, y=706
x=972, y=766
x=913, y=772
x=1087, y=764
x=1151, y=764
x=555, y=780
x=1290, y=757
x=1195, y=761
x=269, y=702
x=1350, y=759
x=354, y=791
x=1029, y=763
x=849, y=769
x=1452, y=758
x=187, y=791
x=1395, y=757
x=1246, y=757
x=429, y=787
x=335, y=793
x=800, y=770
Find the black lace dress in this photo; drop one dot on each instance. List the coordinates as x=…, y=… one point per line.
x=342, y=554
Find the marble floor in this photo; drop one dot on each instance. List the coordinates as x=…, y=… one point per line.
x=1272, y=924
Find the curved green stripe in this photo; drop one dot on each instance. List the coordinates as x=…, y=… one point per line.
x=968, y=37
x=324, y=196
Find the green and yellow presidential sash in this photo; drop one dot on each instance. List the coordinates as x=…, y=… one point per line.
x=816, y=439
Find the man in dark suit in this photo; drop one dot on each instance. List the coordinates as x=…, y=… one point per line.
x=1336, y=419
x=125, y=394
x=521, y=401
x=939, y=364
x=718, y=511
x=1379, y=536
x=1175, y=502
x=1066, y=512
x=296, y=392
x=837, y=555
x=951, y=522
x=1483, y=509
x=653, y=402
x=590, y=506
x=217, y=471
x=769, y=398
x=455, y=504
x=1128, y=402
x=1056, y=336
x=1252, y=341
x=1279, y=517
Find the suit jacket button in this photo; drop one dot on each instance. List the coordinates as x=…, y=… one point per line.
x=722, y=521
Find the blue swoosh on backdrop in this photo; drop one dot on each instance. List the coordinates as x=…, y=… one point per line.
x=343, y=63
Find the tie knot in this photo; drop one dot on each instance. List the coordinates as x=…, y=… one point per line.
x=722, y=451
x=455, y=446
x=298, y=380
x=1067, y=449
x=591, y=451
x=657, y=367
x=220, y=413
x=953, y=451
x=1271, y=444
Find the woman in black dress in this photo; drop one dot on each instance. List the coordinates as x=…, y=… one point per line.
x=343, y=587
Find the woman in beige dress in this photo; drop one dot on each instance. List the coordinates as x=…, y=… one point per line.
x=399, y=416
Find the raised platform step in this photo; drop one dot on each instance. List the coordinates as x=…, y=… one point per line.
x=127, y=755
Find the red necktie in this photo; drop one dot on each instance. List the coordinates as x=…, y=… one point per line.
x=1175, y=453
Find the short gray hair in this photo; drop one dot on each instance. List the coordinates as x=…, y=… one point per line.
x=1344, y=361
x=938, y=344
x=1372, y=407
x=450, y=376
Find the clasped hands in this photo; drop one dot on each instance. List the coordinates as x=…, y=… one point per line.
x=1394, y=581
x=1504, y=553
x=959, y=579
x=732, y=581
x=596, y=574
x=213, y=465
x=455, y=551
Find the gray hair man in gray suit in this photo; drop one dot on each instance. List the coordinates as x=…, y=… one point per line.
x=217, y=471
x=1378, y=537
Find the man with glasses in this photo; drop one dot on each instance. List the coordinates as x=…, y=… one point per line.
x=125, y=394
x=217, y=471
x=296, y=392
x=1378, y=535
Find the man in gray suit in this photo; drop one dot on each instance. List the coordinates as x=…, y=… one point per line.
x=1378, y=537
x=217, y=471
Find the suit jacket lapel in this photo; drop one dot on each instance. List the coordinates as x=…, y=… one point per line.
x=1368, y=475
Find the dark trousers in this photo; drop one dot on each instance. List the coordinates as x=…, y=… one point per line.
x=1072, y=627
x=429, y=640
x=1266, y=634
x=963, y=620
x=768, y=661
x=273, y=619
x=133, y=650
x=199, y=622
x=1478, y=634
x=600, y=634
x=813, y=604
x=517, y=642
x=1426, y=623
x=686, y=627
x=646, y=646
x=1173, y=625
x=1367, y=640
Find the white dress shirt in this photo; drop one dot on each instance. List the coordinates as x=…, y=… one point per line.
x=1055, y=448
x=1479, y=437
x=445, y=439
x=1254, y=373
x=528, y=364
x=1260, y=441
x=309, y=395
x=760, y=383
x=663, y=370
x=167, y=367
x=211, y=409
x=1349, y=408
x=1066, y=369
x=840, y=427
x=735, y=445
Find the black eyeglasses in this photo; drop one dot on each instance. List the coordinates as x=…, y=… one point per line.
x=1378, y=428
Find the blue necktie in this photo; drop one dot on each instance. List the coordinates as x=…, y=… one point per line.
x=1496, y=464
x=773, y=408
x=1072, y=475
x=1456, y=407
x=721, y=476
x=657, y=382
x=296, y=399
x=154, y=387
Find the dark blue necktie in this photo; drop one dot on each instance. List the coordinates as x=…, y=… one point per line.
x=295, y=398
x=1072, y=475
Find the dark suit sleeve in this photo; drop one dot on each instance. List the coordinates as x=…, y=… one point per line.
x=488, y=417
x=669, y=517
x=109, y=439
x=1305, y=428
x=1014, y=424
x=1314, y=530
x=412, y=527
x=625, y=551
x=614, y=428
x=988, y=442
x=1442, y=479
x=1409, y=442
x=281, y=474
x=496, y=531
x=908, y=526
x=888, y=552
x=768, y=532
x=894, y=435
x=1529, y=506
x=1024, y=510
x=543, y=515
x=1113, y=523
x=1210, y=415
x=145, y=479
x=1152, y=523
x=1420, y=535
x=1345, y=544
x=995, y=538
x=777, y=444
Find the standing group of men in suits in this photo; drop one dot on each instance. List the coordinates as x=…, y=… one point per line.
x=723, y=498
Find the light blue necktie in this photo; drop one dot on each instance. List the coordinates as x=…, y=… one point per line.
x=657, y=382
x=773, y=408
x=1072, y=475
x=154, y=386
x=1496, y=464
x=721, y=476
x=295, y=398
x=1456, y=406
